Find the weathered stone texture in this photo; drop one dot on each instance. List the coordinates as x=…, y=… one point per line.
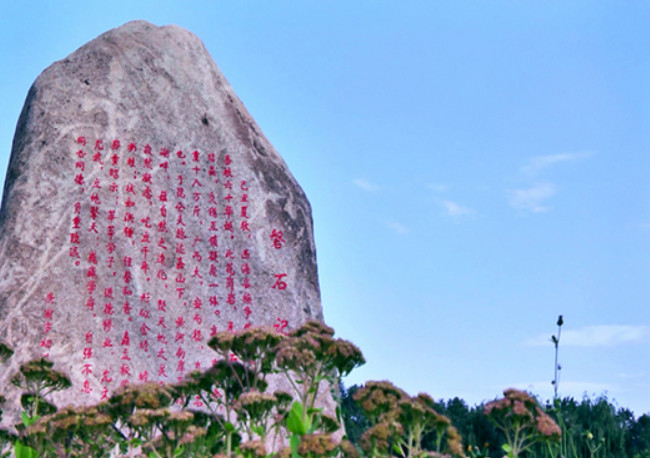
x=157, y=86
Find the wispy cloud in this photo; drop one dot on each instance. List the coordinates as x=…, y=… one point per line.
x=399, y=228
x=455, y=210
x=366, y=185
x=539, y=163
x=533, y=198
x=598, y=336
x=631, y=375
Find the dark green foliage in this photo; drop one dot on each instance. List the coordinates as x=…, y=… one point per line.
x=29, y=401
x=355, y=420
x=477, y=430
x=640, y=435
x=6, y=439
x=5, y=352
x=593, y=422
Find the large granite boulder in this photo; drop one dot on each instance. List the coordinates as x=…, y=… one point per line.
x=144, y=211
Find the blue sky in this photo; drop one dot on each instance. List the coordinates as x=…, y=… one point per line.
x=475, y=169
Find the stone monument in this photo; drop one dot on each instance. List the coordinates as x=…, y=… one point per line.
x=143, y=212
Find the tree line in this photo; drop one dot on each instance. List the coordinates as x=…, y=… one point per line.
x=591, y=427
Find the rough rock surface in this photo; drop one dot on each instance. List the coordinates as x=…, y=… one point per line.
x=144, y=210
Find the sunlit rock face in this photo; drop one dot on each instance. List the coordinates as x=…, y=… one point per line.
x=144, y=211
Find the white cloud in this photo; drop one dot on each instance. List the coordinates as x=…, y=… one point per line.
x=539, y=163
x=366, y=185
x=598, y=336
x=399, y=228
x=631, y=375
x=456, y=210
x=532, y=199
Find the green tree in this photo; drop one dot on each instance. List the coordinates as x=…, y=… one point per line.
x=355, y=421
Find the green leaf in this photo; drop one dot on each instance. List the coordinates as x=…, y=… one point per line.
x=23, y=451
x=136, y=442
x=259, y=430
x=27, y=420
x=314, y=410
x=312, y=426
x=294, y=442
x=229, y=427
x=295, y=423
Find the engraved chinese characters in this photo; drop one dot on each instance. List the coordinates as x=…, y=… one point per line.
x=156, y=244
x=143, y=211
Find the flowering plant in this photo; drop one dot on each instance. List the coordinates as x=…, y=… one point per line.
x=522, y=420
